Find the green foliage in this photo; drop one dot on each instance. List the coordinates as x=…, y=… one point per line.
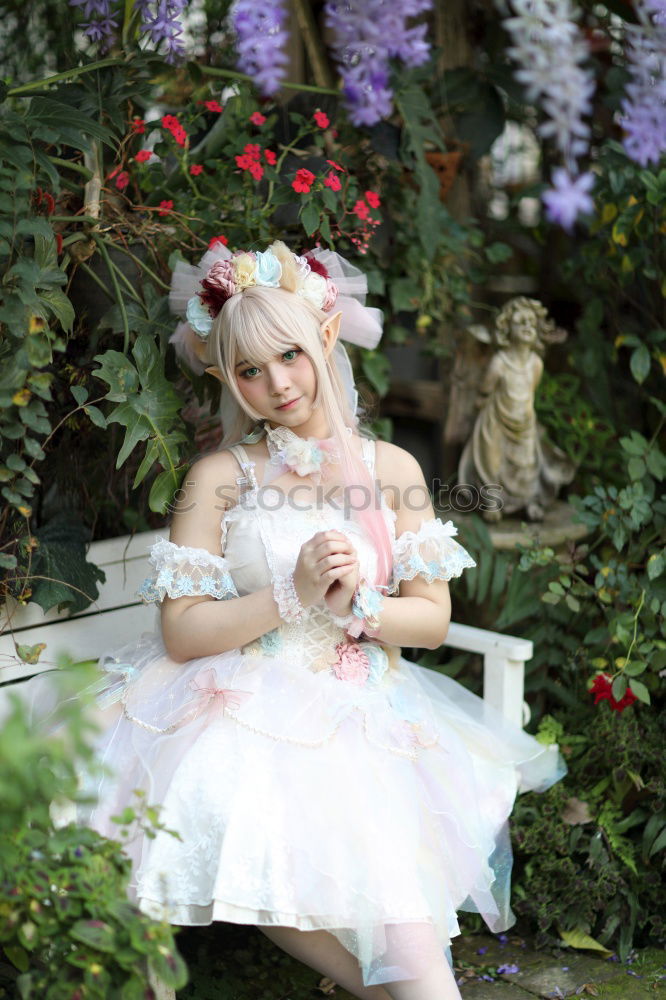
x=615, y=587
x=65, y=923
x=570, y=420
x=149, y=409
x=58, y=566
x=590, y=852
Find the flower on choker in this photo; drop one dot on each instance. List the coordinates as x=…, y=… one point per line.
x=304, y=456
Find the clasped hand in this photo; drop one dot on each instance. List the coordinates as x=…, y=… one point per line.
x=327, y=567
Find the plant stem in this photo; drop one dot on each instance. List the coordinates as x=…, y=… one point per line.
x=119, y=299
x=70, y=165
x=143, y=265
x=633, y=638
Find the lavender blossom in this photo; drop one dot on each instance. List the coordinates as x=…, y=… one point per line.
x=164, y=26
x=643, y=116
x=260, y=40
x=568, y=197
x=366, y=35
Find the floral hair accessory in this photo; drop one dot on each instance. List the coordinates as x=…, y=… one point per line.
x=230, y=273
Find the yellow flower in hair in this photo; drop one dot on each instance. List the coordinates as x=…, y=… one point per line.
x=244, y=271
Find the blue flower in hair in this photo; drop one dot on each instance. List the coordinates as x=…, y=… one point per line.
x=268, y=269
x=198, y=316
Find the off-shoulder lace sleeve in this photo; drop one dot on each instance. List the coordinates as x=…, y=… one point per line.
x=180, y=571
x=430, y=552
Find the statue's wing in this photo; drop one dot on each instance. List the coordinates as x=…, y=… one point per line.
x=473, y=352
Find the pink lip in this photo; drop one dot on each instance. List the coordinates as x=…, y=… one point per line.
x=287, y=406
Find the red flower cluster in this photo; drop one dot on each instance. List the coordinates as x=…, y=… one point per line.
x=303, y=181
x=213, y=106
x=171, y=124
x=165, y=207
x=196, y=169
x=602, y=689
x=336, y=166
x=218, y=239
x=372, y=199
x=121, y=176
x=43, y=196
x=332, y=181
x=321, y=119
x=143, y=156
x=138, y=126
x=257, y=118
x=271, y=157
x=250, y=159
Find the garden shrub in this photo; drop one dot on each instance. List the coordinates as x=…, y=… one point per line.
x=66, y=925
x=590, y=852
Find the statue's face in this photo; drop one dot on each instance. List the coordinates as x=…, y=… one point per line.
x=524, y=326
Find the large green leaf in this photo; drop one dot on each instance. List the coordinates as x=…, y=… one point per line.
x=149, y=413
x=70, y=581
x=68, y=123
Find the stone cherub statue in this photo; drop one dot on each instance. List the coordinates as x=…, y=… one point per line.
x=507, y=446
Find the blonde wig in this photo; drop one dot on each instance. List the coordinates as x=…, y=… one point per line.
x=255, y=325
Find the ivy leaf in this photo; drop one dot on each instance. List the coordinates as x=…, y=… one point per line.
x=119, y=373
x=61, y=556
x=151, y=412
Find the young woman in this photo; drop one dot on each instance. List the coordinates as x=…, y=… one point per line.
x=324, y=789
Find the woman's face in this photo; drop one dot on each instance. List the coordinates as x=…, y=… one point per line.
x=282, y=390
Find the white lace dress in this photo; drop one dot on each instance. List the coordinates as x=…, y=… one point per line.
x=304, y=796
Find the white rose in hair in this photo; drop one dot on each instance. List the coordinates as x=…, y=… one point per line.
x=314, y=289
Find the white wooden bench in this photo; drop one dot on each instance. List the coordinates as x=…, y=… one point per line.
x=118, y=616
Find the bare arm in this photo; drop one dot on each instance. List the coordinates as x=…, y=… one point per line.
x=420, y=616
x=203, y=626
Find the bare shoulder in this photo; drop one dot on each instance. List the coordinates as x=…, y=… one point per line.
x=401, y=478
x=208, y=489
x=393, y=461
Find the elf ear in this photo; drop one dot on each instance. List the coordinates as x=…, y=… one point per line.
x=330, y=330
x=216, y=373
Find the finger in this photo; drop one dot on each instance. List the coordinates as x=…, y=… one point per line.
x=337, y=559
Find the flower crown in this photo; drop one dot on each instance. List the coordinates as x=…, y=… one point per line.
x=305, y=276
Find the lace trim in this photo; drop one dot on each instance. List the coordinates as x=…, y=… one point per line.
x=181, y=571
x=430, y=552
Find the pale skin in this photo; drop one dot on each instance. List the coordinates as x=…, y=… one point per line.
x=327, y=570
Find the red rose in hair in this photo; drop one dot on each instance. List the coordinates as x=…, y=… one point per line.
x=315, y=265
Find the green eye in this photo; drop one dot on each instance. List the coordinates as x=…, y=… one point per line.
x=249, y=372
x=294, y=352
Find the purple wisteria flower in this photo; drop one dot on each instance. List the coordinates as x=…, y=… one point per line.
x=551, y=52
x=164, y=26
x=260, y=39
x=643, y=116
x=102, y=26
x=568, y=197
x=366, y=35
